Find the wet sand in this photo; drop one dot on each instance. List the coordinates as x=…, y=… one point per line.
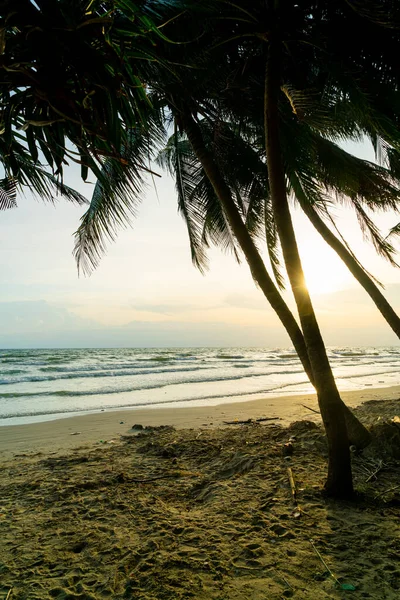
x=73, y=432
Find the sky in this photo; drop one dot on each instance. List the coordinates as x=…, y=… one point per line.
x=146, y=292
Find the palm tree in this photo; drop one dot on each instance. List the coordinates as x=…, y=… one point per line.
x=339, y=479
x=244, y=185
x=276, y=31
x=339, y=476
x=339, y=466
x=310, y=159
x=317, y=171
x=125, y=115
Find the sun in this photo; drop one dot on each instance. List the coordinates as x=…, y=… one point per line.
x=325, y=273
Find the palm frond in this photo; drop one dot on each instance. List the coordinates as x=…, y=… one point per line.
x=246, y=175
x=216, y=229
x=372, y=233
x=273, y=244
x=197, y=200
x=328, y=216
x=8, y=193
x=89, y=95
x=54, y=187
x=339, y=173
x=186, y=175
x=313, y=208
x=395, y=230
x=115, y=199
x=177, y=158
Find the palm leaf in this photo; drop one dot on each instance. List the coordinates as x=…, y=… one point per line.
x=115, y=198
x=177, y=158
x=371, y=233
x=8, y=193
x=395, y=230
x=185, y=176
x=313, y=202
x=245, y=173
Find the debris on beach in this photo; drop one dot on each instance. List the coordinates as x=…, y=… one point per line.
x=209, y=514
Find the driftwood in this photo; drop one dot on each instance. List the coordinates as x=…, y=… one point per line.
x=342, y=586
x=251, y=421
x=335, y=579
x=312, y=409
x=294, y=492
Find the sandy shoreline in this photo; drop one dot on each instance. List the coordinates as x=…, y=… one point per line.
x=74, y=432
x=202, y=514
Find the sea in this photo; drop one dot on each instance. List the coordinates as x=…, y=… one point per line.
x=41, y=385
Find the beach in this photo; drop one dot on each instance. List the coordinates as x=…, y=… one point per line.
x=73, y=432
x=41, y=385
x=192, y=503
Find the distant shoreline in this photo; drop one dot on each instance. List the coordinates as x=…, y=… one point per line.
x=195, y=347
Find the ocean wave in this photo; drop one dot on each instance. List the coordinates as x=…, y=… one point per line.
x=53, y=378
x=137, y=363
x=93, y=375
x=100, y=371
x=230, y=356
x=346, y=354
x=93, y=368
x=272, y=390
x=149, y=386
x=9, y=360
x=358, y=375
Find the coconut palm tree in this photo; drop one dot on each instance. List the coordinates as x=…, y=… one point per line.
x=276, y=29
x=316, y=172
x=184, y=108
x=247, y=179
x=190, y=95
x=270, y=55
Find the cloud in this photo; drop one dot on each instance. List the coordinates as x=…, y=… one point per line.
x=149, y=334
x=346, y=318
x=163, y=309
x=38, y=316
x=248, y=301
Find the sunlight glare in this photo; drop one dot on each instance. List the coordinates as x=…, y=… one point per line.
x=325, y=273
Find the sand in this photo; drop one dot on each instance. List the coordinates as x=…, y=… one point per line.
x=199, y=511
x=73, y=432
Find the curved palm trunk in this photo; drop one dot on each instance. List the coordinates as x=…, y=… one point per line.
x=250, y=251
x=354, y=267
x=358, y=434
x=339, y=482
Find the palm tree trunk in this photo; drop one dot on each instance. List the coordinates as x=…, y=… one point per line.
x=354, y=267
x=339, y=481
x=357, y=433
x=241, y=233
